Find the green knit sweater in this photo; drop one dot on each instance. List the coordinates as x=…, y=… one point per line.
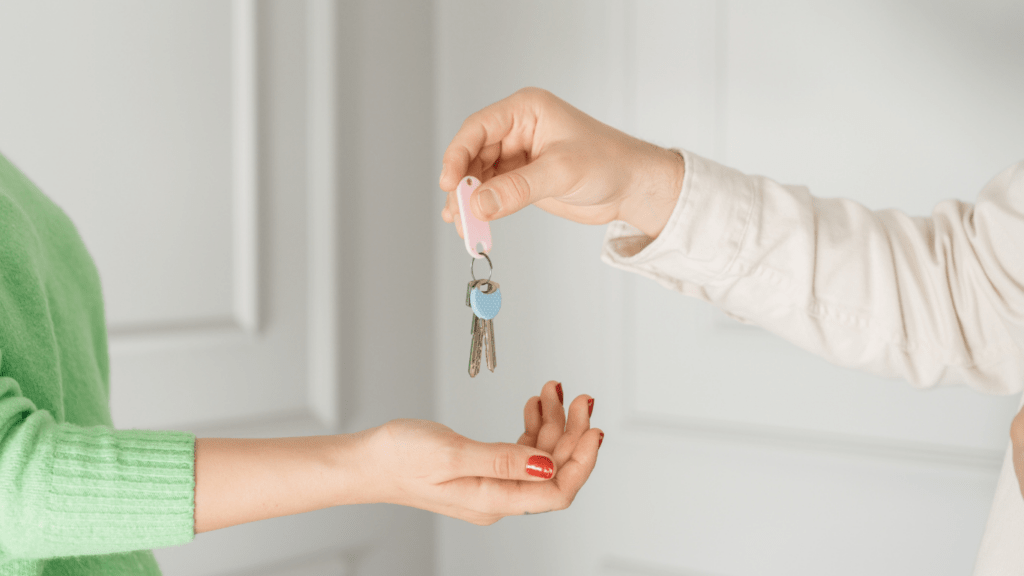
x=76, y=495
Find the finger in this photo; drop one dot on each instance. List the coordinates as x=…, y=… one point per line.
x=489, y=155
x=576, y=425
x=532, y=419
x=553, y=424
x=573, y=474
x=514, y=190
x=486, y=127
x=503, y=461
x=451, y=208
x=534, y=498
x=509, y=162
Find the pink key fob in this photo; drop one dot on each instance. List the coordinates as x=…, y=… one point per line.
x=474, y=231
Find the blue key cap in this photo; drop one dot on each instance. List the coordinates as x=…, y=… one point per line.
x=485, y=306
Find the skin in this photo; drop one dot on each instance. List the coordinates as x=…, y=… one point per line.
x=1017, y=439
x=534, y=148
x=414, y=463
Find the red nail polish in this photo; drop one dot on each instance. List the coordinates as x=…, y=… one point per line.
x=590, y=407
x=540, y=466
x=558, y=388
x=600, y=440
x=540, y=408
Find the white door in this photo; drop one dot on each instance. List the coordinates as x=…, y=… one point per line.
x=207, y=153
x=729, y=451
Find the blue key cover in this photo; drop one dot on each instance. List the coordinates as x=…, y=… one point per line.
x=485, y=306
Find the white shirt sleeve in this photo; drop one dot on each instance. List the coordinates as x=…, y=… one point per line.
x=933, y=300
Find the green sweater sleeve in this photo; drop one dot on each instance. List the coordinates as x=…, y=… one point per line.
x=70, y=484
x=68, y=490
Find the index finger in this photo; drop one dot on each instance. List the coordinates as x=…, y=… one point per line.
x=483, y=128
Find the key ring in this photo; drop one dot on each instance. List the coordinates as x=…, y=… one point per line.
x=489, y=264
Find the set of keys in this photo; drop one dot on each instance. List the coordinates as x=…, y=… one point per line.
x=484, y=298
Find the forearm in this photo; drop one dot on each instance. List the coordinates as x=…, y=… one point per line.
x=243, y=480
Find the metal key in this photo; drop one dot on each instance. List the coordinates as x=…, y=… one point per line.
x=476, y=341
x=492, y=358
x=469, y=288
x=485, y=300
x=476, y=346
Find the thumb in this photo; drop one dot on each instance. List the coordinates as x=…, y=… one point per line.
x=505, y=462
x=514, y=190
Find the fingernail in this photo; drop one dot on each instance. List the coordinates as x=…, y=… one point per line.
x=540, y=408
x=600, y=440
x=558, y=389
x=487, y=202
x=590, y=407
x=540, y=466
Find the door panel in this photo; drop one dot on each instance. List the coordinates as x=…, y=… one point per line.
x=136, y=103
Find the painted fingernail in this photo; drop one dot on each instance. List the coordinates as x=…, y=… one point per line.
x=600, y=440
x=487, y=202
x=540, y=408
x=590, y=407
x=540, y=466
x=558, y=389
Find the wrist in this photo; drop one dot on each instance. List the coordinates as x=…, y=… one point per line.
x=655, y=192
x=352, y=469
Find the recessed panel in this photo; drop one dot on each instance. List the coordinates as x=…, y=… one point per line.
x=121, y=112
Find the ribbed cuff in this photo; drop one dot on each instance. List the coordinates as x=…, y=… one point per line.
x=703, y=235
x=120, y=490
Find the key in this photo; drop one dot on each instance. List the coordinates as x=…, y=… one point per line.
x=492, y=358
x=476, y=346
x=469, y=288
x=485, y=300
x=476, y=337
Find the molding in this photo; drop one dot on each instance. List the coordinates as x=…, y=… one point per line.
x=322, y=226
x=333, y=562
x=721, y=78
x=281, y=425
x=189, y=326
x=245, y=250
x=613, y=566
x=816, y=441
x=245, y=150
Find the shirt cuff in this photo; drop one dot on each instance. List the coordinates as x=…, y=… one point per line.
x=703, y=235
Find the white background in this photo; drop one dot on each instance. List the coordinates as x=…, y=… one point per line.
x=257, y=183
